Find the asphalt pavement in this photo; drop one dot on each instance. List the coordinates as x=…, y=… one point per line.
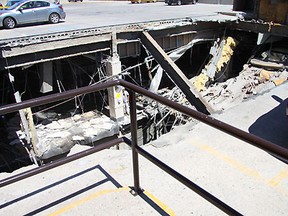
x=97, y=14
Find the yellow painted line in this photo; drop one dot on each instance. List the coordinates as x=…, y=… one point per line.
x=232, y=162
x=167, y=209
x=280, y=177
x=117, y=170
x=86, y=199
x=104, y=192
x=274, y=182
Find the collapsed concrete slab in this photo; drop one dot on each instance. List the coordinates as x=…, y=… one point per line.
x=59, y=136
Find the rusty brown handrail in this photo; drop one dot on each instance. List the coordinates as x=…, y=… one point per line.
x=59, y=162
x=272, y=148
x=263, y=144
x=277, y=151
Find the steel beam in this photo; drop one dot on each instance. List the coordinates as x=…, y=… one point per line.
x=201, y=27
x=49, y=55
x=174, y=73
x=267, y=27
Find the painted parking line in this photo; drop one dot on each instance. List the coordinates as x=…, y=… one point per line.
x=274, y=182
x=232, y=162
x=163, y=206
x=86, y=199
x=104, y=192
x=280, y=177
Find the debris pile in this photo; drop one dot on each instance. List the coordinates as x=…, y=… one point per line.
x=274, y=59
x=220, y=95
x=160, y=118
x=216, y=86
x=261, y=73
x=59, y=136
x=251, y=81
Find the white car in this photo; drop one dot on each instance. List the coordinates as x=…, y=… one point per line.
x=31, y=11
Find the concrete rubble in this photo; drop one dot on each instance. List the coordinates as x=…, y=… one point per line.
x=260, y=74
x=59, y=136
x=251, y=81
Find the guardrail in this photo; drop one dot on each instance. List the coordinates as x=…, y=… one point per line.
x=265, y=145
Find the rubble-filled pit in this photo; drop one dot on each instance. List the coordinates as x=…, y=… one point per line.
x=247, y=69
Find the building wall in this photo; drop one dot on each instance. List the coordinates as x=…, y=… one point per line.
x=274, y=10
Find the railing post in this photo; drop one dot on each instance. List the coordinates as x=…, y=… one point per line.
x=133, y=129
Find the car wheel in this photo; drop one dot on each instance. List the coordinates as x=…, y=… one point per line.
x=9, y=23
x=54, y=18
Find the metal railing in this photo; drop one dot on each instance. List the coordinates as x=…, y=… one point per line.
x=265, y=145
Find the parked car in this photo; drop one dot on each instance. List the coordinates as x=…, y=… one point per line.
x=180, y=2
x=31, y=11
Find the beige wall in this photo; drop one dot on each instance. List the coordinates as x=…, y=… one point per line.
x=276, y=11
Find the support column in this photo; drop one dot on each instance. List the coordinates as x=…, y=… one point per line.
x=115, y=94
x=27, y=124
x=46, y=77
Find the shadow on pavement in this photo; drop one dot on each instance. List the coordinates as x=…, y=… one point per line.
x=65, y=180
x=273, y=126
x=153, y=204
x=108, y=178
